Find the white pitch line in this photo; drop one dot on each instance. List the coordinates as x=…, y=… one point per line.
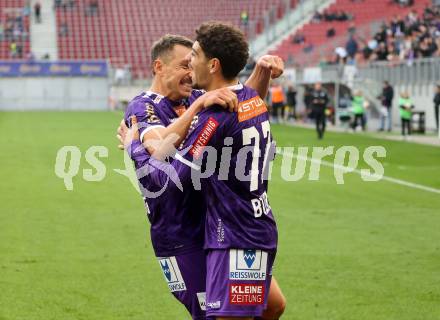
x=385, y=178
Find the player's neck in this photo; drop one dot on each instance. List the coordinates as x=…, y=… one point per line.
x=218, y=83
x=158, y=88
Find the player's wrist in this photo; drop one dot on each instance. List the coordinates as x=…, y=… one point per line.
x=195, y=107
x=135, y=148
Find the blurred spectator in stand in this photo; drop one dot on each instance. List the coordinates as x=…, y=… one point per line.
x=437, y=105
x=387, y=103
x=19, y=50
x=331, y=32
x=92, y=8
x=381, y=52
x=298, y=38
x=308, y=48
x=405, y=3
x=405, y=107
x=37, y=11
x=64, y=30
x=381, y=36
x=1, y=31
x=9, y=28
x=244, y=18
x=13, y=50
x=317, y=17
x=27, y=9
x=351, y=47
x=341, y=55
x=351, y=29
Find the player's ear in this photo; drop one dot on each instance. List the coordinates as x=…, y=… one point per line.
x=157, y=66
x=214, y=65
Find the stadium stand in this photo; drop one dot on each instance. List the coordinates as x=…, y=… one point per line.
x=312, y=43
x=123, y=31
x=14, y=29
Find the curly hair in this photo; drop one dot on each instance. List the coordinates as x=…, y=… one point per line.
x=226, y=43
x=163, y=47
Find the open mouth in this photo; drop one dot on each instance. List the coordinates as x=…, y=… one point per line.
x=186, y=82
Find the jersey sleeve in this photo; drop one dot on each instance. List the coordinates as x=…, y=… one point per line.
x=146, y=114
x=207, y=133
x=154, y=172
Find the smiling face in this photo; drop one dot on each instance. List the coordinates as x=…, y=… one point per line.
x=200, y=66
x=175, y=73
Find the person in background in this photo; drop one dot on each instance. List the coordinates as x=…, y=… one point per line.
x=351, y=47
x=13, y=50
x=307, y=99
x=344, y=111
x=37, y=11
x=437, y=106
x=291, y=103
x=358, y=104
x=319, y=101
x=244, y=18
x=277, y=101
x=387, y=102
x=405, y=106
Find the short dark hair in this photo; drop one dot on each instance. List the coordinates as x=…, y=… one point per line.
x=226, y=43
x=165, y=45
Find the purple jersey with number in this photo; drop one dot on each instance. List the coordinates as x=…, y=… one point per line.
x=177, y=217
x=238, y=211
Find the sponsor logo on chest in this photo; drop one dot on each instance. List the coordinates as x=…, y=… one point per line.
x=251, y=108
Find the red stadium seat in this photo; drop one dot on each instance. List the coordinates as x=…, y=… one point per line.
x=126, y=29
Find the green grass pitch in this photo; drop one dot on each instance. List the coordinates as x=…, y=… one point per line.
x=362, y=250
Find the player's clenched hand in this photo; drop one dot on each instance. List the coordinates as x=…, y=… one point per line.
x=127, y=135
x=274, y=63
x=224, y=97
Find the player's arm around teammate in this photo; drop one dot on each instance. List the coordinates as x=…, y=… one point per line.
x=160, y=141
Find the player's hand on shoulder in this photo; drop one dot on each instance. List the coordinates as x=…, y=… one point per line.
x=127, y=135
x=274, y=63
x=223, y=97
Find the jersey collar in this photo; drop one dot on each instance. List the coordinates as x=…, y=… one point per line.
x=236, y=87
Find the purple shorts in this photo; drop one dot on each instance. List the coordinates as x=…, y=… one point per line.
x=238, y=282
x=185, y=275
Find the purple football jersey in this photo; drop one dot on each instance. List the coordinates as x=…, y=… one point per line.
x=238, y=211
x=177, y=217
x=237, y=208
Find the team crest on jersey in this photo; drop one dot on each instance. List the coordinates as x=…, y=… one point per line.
x=172, y=274
x=251, y=108
x=248, y=264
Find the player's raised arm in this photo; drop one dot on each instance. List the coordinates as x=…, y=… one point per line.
x=267, y=67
